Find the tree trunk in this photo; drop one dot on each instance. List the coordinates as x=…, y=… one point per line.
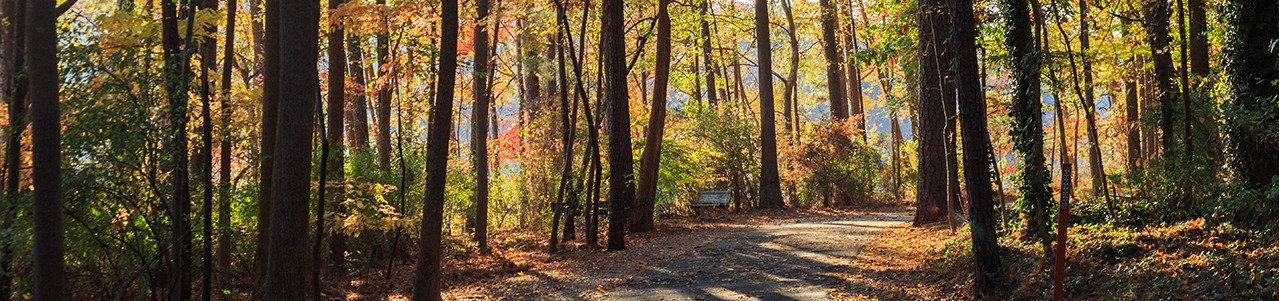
x=383, y=99
x=299, y=86
x=790, y=109
x=621, y=174
x=358, y=130
x=427, y=283
x=986, y=262
x=176, y=63
x=1132, y=111
x=652, y=157
x=1254, y=68
x=1095, y=166
x=317, y=259
x=770, y=185
x=336, y=119
x=1156, y=23
x=225, y=244
x=208, y=58
x=1026, y=112
x=16, y=87
x=930, y=202
x=46, y=171
x=706, y=53
x=830, y=49
x=270, y=121
x=854, y=79
x=479, y=123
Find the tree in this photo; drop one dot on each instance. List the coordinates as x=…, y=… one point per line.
x=1155, y=14
x=621, y=174
x=1095, y=166
x=16, y=87
x=426, y=285
x=224, y=174
x=652, y=157
x=358, y=130
x=972, y=102
x=336, y=118
x=479, y=123
x=177, y=66
x=270, y=121
x=1026, y=116
x=931, y=196
x=706, y=52
x=834, y=71
x=770, y=183
x=298, y=84
x=46, y=158
x=383, y=98
x=1251, y=114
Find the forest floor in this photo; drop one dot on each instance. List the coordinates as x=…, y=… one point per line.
x=760, y=255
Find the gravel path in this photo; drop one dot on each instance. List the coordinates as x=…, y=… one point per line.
x=793, y=261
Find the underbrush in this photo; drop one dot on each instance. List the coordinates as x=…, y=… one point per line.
x=1191, y=260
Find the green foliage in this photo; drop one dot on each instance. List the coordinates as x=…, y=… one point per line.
x=830, y=165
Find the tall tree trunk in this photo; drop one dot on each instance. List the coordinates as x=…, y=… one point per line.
x=790, y=108
x=225, y=148
x=317, y=249
x=621, y=174
x=208, y=58
x=358, y=130
x=383, y=99
x=270, y=123
x=427, y=283
x=706, y=53
x=299, y=51
x=652, y=157
x=16, y=87
x=177, y=57
x=1254, y=68
x=1199, y=66
x=830, y=49
x=336, y=119
x=986, y=263
x=567, y=128
x=770, y=185
x=1095, y=166
x=1132, y=111
x=854, y=78
x=46, y=158
x=1156, y=22
x=931, y=198
x=1026, y=114
x=479, y=123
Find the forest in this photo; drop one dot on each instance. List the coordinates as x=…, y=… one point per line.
x=426, y=149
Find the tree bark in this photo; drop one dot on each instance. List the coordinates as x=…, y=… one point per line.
x=1132, y=111
x=987, y=266
x=830, y=49
x=1156, y=23
x=46, y=170
x=706, y=53
x=299, y=51
x=383, y=99
x=770, y=184
x=358, y=131
x=621, y=174
x=225, y=244
x=208, y=58
x=652, y=157
x=336, y=177
x=1254, y=68
x=854, y=78
x=16, y=87
x=931, y=196
x=427, y=283
x=270, y=121
x=479, y=123
x=1095, y=166
x=1026, y=113
x=177, y=56
x=789, y=108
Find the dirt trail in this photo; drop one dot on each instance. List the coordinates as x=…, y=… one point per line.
x=793, y=259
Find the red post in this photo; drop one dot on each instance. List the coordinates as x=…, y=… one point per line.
x=1063, y=213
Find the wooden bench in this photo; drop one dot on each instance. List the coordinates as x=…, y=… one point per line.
x=712, y=199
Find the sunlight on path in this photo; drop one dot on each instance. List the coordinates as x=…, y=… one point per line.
x=775, y=262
